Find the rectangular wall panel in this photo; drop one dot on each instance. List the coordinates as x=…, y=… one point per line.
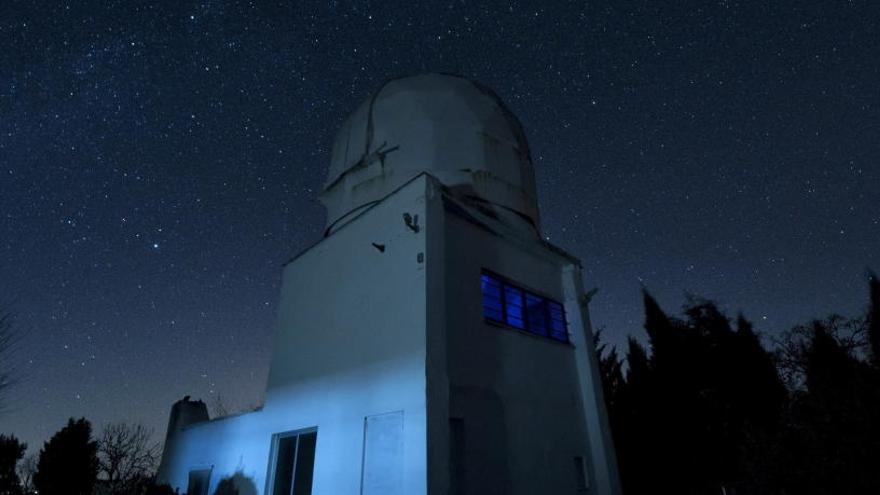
x=383, y=455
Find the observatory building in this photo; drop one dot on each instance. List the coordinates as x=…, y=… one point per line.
x=432, y=342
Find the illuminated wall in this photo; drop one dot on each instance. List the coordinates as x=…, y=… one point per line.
x=382, y=347
x=350, y=346
x=529, y=407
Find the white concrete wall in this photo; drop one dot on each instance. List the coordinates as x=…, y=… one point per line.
x=350, y=344
x=446, y=125
x=520, y=396
x=363, y=332
x=604, y=475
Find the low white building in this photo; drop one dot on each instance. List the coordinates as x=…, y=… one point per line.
x=432, y=341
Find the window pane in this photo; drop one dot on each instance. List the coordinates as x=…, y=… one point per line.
x=305, y=464
x=491, y=298
x=537, y=312
x=284, y=465
x=558, y=329
x=513, y=304
x=519, y=308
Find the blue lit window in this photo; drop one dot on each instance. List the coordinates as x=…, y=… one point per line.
x=514, y=306
x=492, y=304
x=536, y=306
x=557, y=321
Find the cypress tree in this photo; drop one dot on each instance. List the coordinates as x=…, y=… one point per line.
x=873, y=319
x=68, y=462
x=11, y=451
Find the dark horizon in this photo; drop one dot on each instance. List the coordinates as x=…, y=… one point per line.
x=159, y=163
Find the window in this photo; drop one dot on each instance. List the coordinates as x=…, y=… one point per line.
x=514, y=306
x=198, y=482
x=294, y=463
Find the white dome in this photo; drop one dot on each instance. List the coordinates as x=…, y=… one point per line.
x=452, y=128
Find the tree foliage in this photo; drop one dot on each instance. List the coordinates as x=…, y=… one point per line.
x=704, y=407
x=11, y=450
x=68, y=462
x=691, y=400
x=698, y=406
x=237, y=484
x=26, y=469
x=873, y=319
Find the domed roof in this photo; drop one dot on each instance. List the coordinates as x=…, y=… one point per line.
x=452, y=128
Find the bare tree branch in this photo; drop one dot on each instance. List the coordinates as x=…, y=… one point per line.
x=219, y=408
x=127, y=456
x=26, y=469
x=792, y=346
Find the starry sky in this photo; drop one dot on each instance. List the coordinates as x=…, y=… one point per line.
x=159, y=162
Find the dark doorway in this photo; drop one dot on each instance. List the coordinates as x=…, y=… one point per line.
x=198, y=482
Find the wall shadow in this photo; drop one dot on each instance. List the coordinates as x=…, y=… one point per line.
x=237, y=484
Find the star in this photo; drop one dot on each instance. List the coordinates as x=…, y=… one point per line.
x=775, y=162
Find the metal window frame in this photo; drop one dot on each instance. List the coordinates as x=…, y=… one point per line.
x=273, y=457
x=548, y=319
x=500, y=297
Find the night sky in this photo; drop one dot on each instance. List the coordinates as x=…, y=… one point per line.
x=159, y=162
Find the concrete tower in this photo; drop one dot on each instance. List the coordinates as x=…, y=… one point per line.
x=432, y=341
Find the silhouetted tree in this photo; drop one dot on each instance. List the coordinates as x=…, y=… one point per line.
x=154, y=489
x=26, y=469
x=159, y=490
x=219, y=407
x=610, y=370
x=695, y=413
x=68, y=462
x=11, y=450
x=758, y=399
x=833, y=438
x=873, y=318
x=237, y=484
x=226, y=487
x=127, y=457
x=631, y=424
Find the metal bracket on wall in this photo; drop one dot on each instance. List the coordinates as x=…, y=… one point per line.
x=589, y=296
x=412, y=222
